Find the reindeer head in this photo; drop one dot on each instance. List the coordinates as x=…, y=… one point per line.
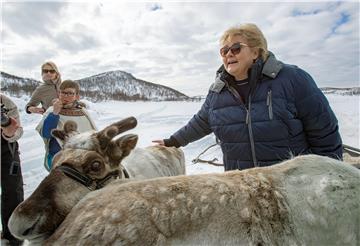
x=94, y=145
x=94, y=155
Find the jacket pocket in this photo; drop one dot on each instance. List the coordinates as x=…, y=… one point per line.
x=269, y=104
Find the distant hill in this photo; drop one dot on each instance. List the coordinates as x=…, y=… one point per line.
x=17, y=86
x=113, y=85
x=120, y=85
x=341, y=91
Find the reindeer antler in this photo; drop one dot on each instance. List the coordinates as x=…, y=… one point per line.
x=104, y=136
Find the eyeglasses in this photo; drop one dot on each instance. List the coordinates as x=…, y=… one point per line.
x=48, y=71
x=67, y=94
x=235, y=49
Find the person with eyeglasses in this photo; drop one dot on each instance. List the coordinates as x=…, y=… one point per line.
x=66, y=108
x=46, y=92
x=262, y=110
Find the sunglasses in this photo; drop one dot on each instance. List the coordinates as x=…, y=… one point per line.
x=235, y=49
x=65, y=93
x=48, y=71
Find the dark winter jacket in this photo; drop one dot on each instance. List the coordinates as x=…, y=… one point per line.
x=285, y=114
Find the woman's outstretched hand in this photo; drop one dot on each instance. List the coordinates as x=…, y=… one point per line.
x=159, y=142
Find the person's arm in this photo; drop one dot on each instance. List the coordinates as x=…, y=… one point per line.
x=318, y=119
x=35, y=100
x=50, y=123
x=14, y=131
x=198, y=127
x=52, y=119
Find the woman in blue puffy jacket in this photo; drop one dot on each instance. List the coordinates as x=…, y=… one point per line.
x=262, y=110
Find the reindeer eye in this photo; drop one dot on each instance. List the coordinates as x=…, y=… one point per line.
x=95, y=166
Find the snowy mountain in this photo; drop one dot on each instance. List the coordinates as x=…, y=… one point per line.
x=119, y=85
x=123, y=86
x=341, y=91
x=17, y=86
x=113, y=85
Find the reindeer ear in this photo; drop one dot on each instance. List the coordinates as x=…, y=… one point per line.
x=69, y=129
x=127, y=143
x=122, y=147
x=70, y=126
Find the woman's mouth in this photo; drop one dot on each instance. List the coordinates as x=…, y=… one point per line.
x=230, y=63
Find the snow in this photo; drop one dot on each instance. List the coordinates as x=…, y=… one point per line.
x=158, y=120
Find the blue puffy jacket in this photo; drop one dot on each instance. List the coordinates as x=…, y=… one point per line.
x=286, y=114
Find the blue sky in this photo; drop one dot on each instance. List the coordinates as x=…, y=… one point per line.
x=176, y=43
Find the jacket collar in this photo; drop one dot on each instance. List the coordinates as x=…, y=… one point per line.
x=272, y=66
x=271, y=69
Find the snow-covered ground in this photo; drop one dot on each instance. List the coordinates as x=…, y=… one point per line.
x=157, y=120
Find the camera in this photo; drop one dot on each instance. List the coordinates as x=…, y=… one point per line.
x=5, y=119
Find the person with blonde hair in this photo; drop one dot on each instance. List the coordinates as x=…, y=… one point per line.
x=46, y=92
x=263, y=111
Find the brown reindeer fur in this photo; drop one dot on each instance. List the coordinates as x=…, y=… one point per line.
x=310, y=200
x=94, y=155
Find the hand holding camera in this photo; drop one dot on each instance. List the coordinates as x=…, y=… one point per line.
x=8, y=124
x=9, y=131
x=5, y=120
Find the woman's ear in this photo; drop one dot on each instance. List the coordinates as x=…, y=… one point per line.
x=255, y=53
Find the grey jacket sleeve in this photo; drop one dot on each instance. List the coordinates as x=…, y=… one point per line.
x=35, y=100
x=198, y=127
x=14, y=113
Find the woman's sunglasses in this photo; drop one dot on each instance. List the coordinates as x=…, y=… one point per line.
x=48, y=71
x=235, y=49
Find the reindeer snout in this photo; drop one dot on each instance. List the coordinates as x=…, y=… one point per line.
x=22, y=227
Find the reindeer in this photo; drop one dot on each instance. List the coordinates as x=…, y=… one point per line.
x=309, y=200
x=88, y=162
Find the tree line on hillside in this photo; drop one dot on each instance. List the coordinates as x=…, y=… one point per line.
x=95, y=91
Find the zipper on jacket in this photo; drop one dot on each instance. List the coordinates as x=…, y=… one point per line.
x=248, y=123
x=252, y=143
x=269, y=104
x=247, y=116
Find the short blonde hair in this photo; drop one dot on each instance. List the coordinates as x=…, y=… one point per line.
x=253, y=35
x=70, y=84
